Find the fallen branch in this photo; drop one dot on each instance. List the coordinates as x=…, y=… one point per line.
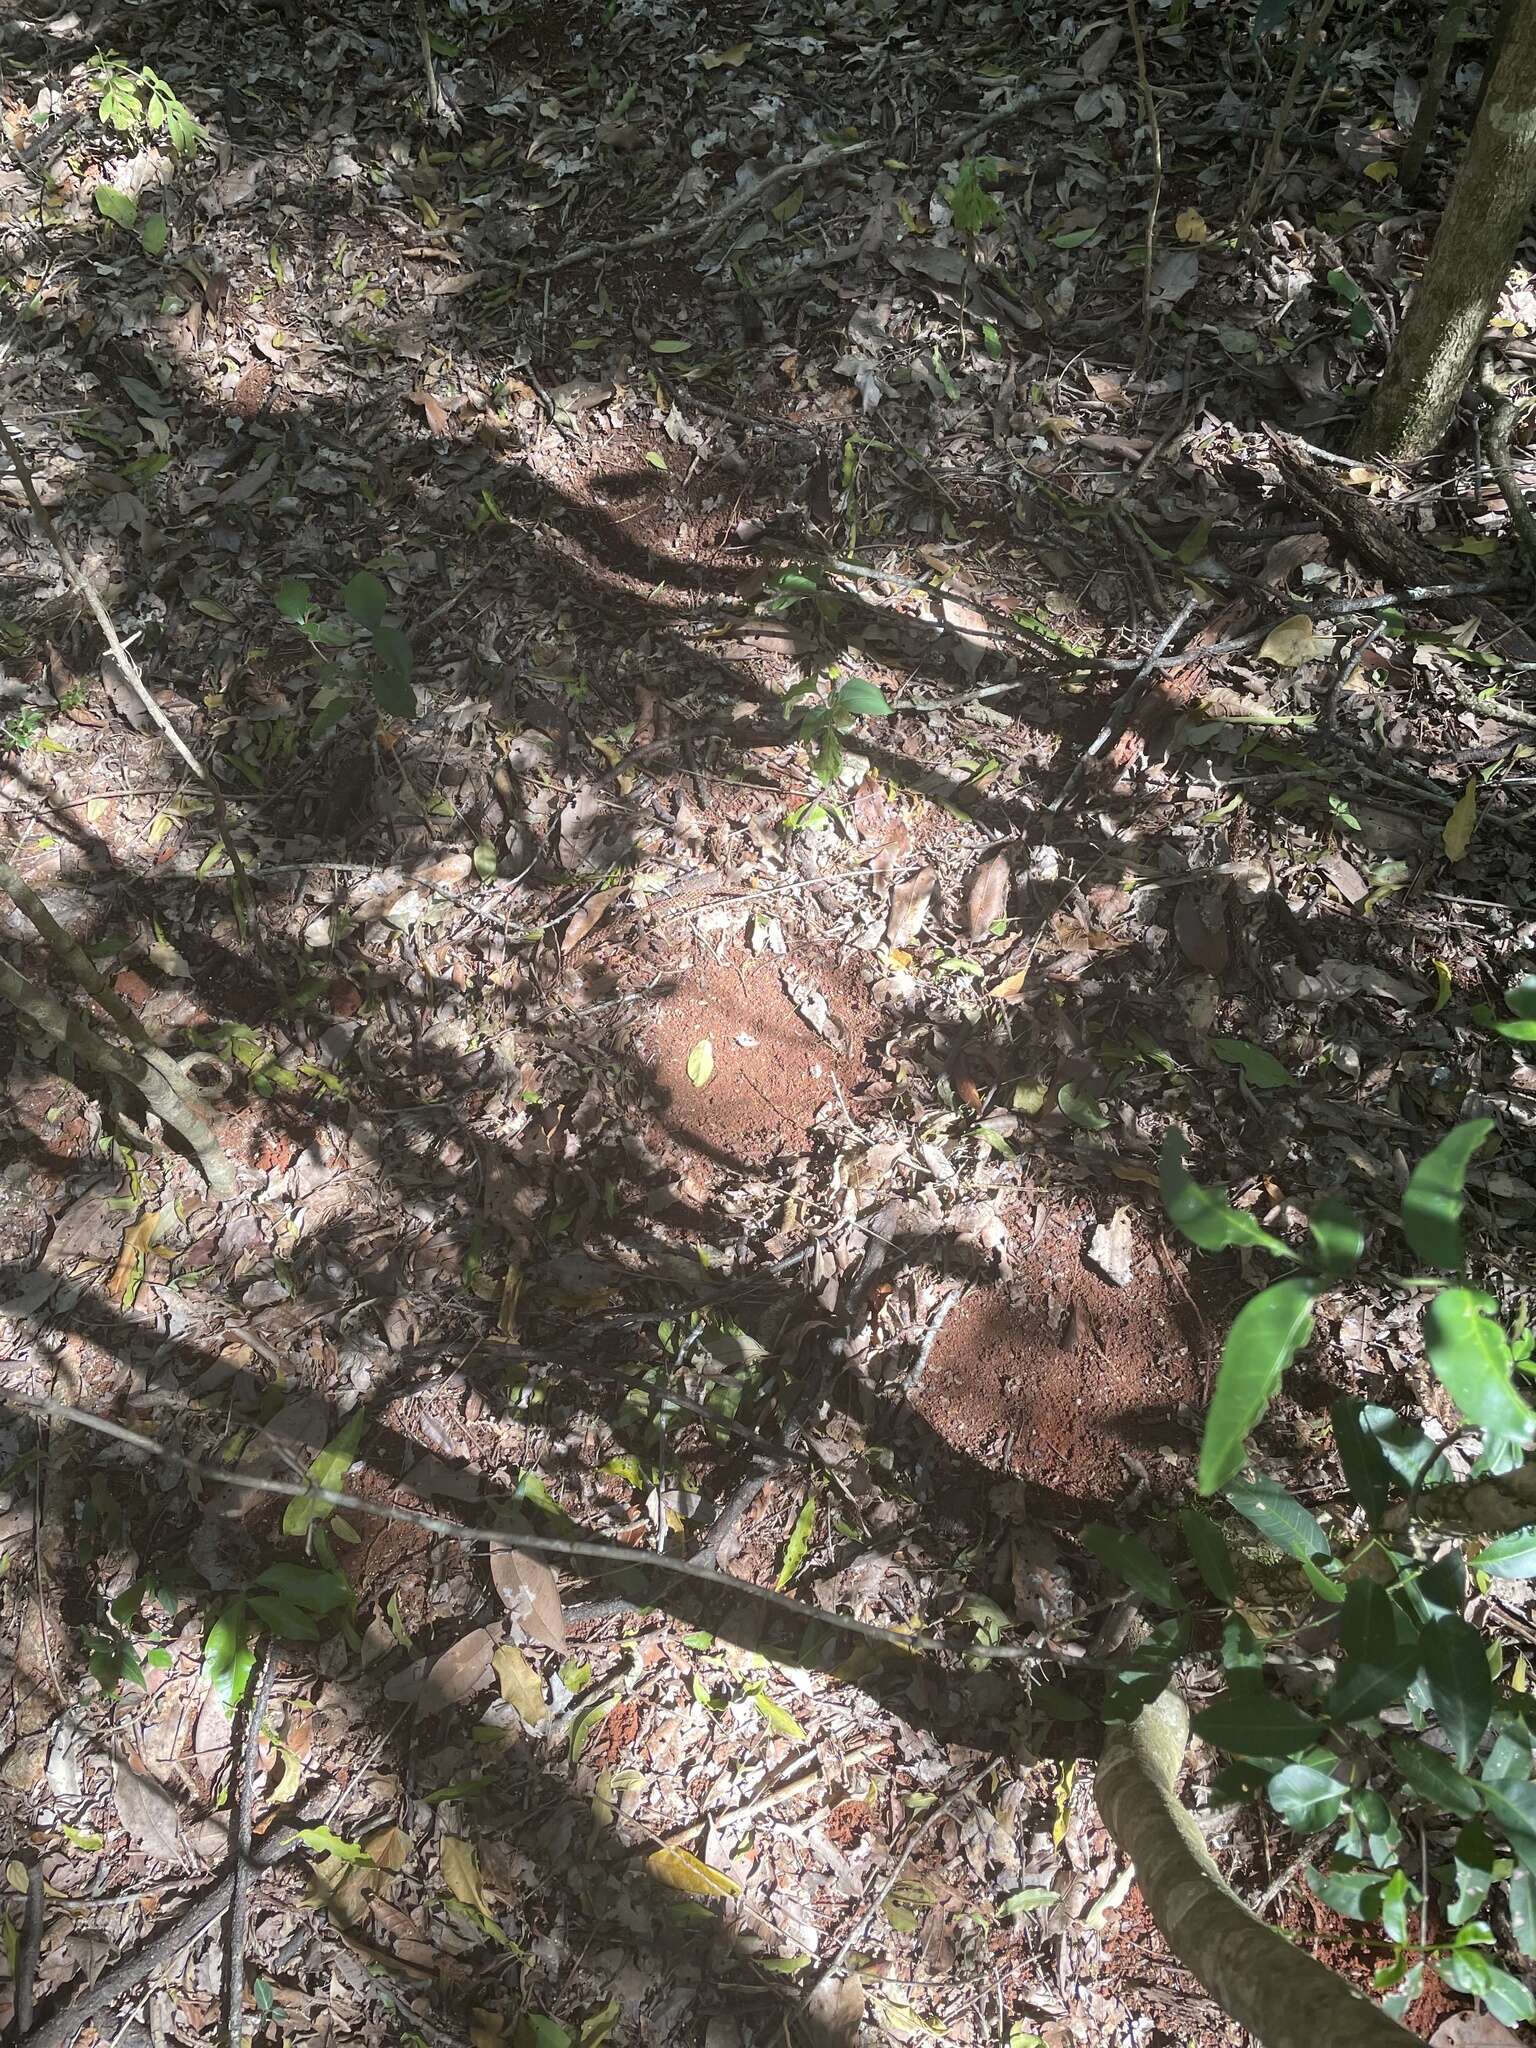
x=1286, y=1998
x=706, y=228
x=240, y=1853
x=1502, y=415
x=587, y=1550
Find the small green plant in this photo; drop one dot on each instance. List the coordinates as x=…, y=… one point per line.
x=135, y=100
x=1359, y=1701
x=378, y=656
x=291, y=1600
x=791, y=588
x=823, y=723
x=21, y=729
x=972, y=207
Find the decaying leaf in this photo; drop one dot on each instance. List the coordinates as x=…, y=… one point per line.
x=986, y=894
x=520, y=1684
x=684, y=1872
x=910, y=901
x=435, y=1684
x=461, y=1873
x=1296, y=641
x=834, y=2013
x=1200, y=925
x=701, y=1063
x=530, y=1594
x=1462, y=823
x=148, y=1812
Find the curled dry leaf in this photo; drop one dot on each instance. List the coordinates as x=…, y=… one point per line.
x=148, y=1812
x=986, y=894
x=529, y=1594
x=909, y=907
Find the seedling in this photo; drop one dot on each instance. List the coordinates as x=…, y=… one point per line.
x=378, y=654
x=823, y=723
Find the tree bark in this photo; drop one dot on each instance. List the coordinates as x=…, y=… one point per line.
x=1496, y=1505
x=1479, y=230
x=1283, y=1996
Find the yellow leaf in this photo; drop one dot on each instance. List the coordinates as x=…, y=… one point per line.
x=899, y=957
x=461, y=1873
x=520, y=1683
x=1190, y=225
x=1462, y=823
x=129, y=1270
x=1010, y=988
x=713, y=59
x=1380, y=171
x=1124, y=1170
x=1442, y=986
x=685, y=1873
x=701, y=1063
x=1295, y=641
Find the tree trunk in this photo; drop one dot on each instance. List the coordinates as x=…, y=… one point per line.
x=1431, y=93
x=1490, y=199
x=1283, y=1996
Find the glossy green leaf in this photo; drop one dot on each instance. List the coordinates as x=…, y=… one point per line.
x=1257, y=1724
x=1511, y=1803
x=1436, y=1779
x=1355, y=1892
x=1518, y=1030
x=1366, y=1472
x=228, y=1660
x=1213, y=1559
x=1509, y=1557
x=316, y=1590
x=1267, y=1334
x=1472, y=1971
x=117, y=206
x=365, y=598
x=1202, y=1214
x=1521, y=998
x=1380, y=1654
x=292, y=598
x=1305, y=1798
x=1521, y=1895
x=1260, y=1069
x=1279, y=1517
x=863, y=699
x=1339, y=1236
x=1472, y=1360
x=1130, y=1559
x=329, y=1470
x=1394, y=1907
x=1436, y=1192
x=1460, y=1684
x=1079, y=1108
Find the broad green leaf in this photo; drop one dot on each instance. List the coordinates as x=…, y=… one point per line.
x=1260, y=1069
x=227, y=1659
x=1472, y=1971
x=1208, y=1548
x=117, y=206
x=1521, y=998
x=365, y=599
x=1366, y=1471
x=1509, y=1557
x=394, y=651
x=1511, y=1802
x=284, y=1618
x=1518, y=1030
x=1436, y=1190
x=484, y=860
x=1340, y=1239
x=329, y=1470
x=1522, y=1911
x=1203, y=1214
x=152, y=235
x=798, y=1548
x=292, y=598
x=1354, y=1892
x=316, y=1590
x=1381, y=1656
x=1279, y=1517
x=1472, y=1360
x=1130, y=1559
x=862, y=698
x=1267, y=1334
x=1394, y=1907
x=666, y=347
x=1142, y=1672
x=780, y=1719
x=391, y=691
x=1460, y=1684
x=1305, y=1798
x=1079, y=1108
x=1257, y=1724
x=1436, y=1779
x=326, y=1842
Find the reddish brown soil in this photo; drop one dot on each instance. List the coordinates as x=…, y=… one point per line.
x=1053, y=1372
x=772, y=1073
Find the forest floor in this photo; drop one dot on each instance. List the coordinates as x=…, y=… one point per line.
x=649, y=1104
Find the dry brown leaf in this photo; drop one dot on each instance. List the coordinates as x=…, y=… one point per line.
x=148, y=1812
x=441, y=1683
x=909, y=907
x=390, y=1847
x=434, y=409
x=130, y=1259
x=521, y=1686
x=529, y=1594
x=1473, y=2030
x=461, y=1873
x=590, y=916
x=1200, y=925
x=834, y=2012
x=1110, y=1247
x=986, y=894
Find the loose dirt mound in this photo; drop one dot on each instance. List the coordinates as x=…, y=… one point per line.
x=1057, y=1373
x=769, y=1072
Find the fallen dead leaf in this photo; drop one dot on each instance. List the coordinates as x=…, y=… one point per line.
x=529, y=1594
x=434, y=1685
x=1200, y=925
x=986, y=894
x=520, y=1684
x=148, y=1812
x=910, y=901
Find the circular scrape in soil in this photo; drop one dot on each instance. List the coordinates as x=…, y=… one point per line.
x=768, y=1070
x=1053, y=1371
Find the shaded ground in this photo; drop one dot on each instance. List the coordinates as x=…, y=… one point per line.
x=847, y=1280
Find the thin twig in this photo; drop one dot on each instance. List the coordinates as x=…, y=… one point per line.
x=1121, y=710
x=587, y=1550
x=239, y=1897
x=1309, y=41
x=1154, y=198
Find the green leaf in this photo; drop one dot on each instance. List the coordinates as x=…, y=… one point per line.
x=152, y=235
x=1521, y=1894
x=1381, y=1656
x=1460, y=1684
x=1512, y=1803
x=670, y=347
x=1394, y=1907
x=1305, y=1798
x=284, y=1619
x=391, y=691
x=862, y=698
x=1472, y=1360
x=366, y=599
x=1518, y=1030
x=798, y=1548
x=394, y=650
x=1436, y=1779
x=1267, y=1334
x=1260, y=1069
x=1509, y=1557
x=1079, y=1108
x=292, y=598
x=117, y=206
x=329, y=1470
x=1339, y=1237
x=1471, y=1971
x=227, y=1660
x=780, y=1719
x=1436, y=1190
x=1366, y=1471
x=1202, y=1214
x=1142, y=1672
x=484, y=860
x=1213, y=1559
x=1279, y=1517
x=1354, y=1892
x=1522, y=997
x=308, y=1586
x=1257, y=1724
x=326, y=1842
x=1130, y=1559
